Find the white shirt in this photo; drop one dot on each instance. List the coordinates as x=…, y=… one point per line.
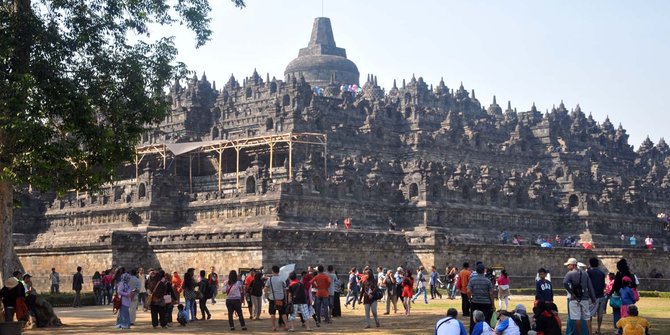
x=450, y=327
x=648, y=241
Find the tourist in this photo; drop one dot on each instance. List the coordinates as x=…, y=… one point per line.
x=627, y=296
x=503, y=237
x=135, y=286
x=407, y=291
x=609, y=284
x=450, y=325
x=339, y=287
x=506, y=324
x=420, y=286
x=10, y=293
x=108, y=282
x=124, y=291
x=331, y=288
x=31, y=296
x=543, y=289
x=247, y=287
x=649, y=242
x=54, y=277
x=482, y=326
x=213, y=281
x=597, y=278
x=182, y=315
x=451, y=285
x=298, y=297
x=176, y=286
x=503, y=290
x=622, y=239
x=321, y=282
x=369, y=298
x=353, y=289
x=171, y=301
x=391, y=292
x=547, y=321
x=398, y=276
x=434, y=283
x=98, y=287
x=521, y=318
x=274, y=290
x=463, y=280
x=622, y=271
x=515, y=240
x=633, y=241
x=481, y=293
x=256, y=294
x=157, y=301
x=189, y=294
x=77, y=283
x=205, y=294
x=578, y=285
x=142, y=296
x=234, y=289
x=633, y=324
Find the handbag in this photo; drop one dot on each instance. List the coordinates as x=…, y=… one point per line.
x=278, y=302
x=615, y=300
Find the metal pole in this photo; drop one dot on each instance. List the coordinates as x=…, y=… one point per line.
x=271, y=154
x=237, y=169
x=290, y=159
x=190, y=173
x=325, y=157
x=220, y=158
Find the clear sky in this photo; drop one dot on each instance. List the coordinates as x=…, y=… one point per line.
x=611, y=57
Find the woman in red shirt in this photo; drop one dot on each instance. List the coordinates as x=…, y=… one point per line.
x=503, y=290
x=407, y=291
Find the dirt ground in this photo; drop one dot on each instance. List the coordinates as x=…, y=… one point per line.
x=100, y=320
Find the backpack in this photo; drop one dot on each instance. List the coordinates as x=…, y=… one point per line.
x=577, y=289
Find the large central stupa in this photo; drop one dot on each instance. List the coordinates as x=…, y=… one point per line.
x=322, y=60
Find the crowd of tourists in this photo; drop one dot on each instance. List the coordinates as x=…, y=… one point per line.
x=589, y=291
x=314, y=294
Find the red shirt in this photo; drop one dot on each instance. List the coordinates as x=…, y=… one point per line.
x=248, y=280
x=408, y=288
x=322, y=282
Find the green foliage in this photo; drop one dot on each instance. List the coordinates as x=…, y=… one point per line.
x=65, y=299
x=77, y=87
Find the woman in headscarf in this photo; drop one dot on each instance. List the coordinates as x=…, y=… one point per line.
x=124, y=291
x=157, y=304
x=368, y=297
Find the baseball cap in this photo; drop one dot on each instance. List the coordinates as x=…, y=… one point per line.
x=571, y=261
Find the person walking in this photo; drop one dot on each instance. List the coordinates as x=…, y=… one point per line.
x=331, y=288
x=298, y=298
x=420, y=286
x=369, y=298
x=142, y=296
x=275, y=289
x=434, y=283
x=462, y=285
x=157, y=301
x=578, y=285
x=77, y=284
x=391, y=292
x=54, y=277
x=189, y=294
x=234, y=289
x=322, y=283
x=481, y=294
x=205, y=294
x=98, y=287
x=407, y=291
x=353, y=289
x=213, y=281
x=125, y=292
x=247, y=289
x=256, y=293
x=597, y=278
x=135, y=287
x=503, y=290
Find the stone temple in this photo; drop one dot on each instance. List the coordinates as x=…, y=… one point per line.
x=249, y=174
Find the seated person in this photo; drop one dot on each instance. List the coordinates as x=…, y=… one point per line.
x=633, y=324
x=546, y=318
x=450, y=325
x=481, y=326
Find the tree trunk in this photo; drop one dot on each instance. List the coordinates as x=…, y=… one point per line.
x=10, y=261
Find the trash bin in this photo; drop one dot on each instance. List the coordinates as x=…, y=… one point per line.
x=10, y=328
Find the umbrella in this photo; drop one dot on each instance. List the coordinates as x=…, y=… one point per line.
x=285, y=270
x=546, y=245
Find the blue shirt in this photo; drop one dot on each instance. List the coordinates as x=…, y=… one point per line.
x=543, y=290
x=479, y=329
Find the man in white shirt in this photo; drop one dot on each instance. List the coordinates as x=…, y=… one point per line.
x=450, y=325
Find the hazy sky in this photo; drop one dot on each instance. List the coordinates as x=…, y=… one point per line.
x=611, y=57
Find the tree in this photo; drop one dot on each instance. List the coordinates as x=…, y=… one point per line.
x=79, y=82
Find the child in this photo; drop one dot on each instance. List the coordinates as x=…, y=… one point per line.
x=543, y=289
x=182, y=315
x=627, y=297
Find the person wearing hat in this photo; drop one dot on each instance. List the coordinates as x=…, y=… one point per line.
x=633, y=324
x=12, y=290
x=580, y=290
x=481, y=294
